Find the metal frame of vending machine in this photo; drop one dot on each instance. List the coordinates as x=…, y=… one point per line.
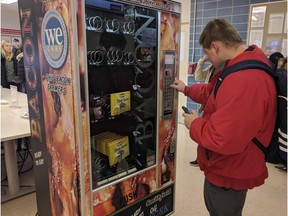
x=102, y=113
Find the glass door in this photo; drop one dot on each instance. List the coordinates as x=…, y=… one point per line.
x=122, y=72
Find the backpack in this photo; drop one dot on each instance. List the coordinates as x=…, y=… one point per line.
x=282, y=111
x=276, y=152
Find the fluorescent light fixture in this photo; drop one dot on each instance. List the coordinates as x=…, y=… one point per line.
x=8, y=1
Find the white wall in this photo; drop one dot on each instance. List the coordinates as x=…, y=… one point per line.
x=10, y=19
x=185, y=32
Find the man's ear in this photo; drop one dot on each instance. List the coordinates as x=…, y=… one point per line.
x=215, y=45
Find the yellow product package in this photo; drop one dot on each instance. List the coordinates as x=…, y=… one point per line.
x=102, y=144
x=117, y=150
x=97, y=138
x=120, y=102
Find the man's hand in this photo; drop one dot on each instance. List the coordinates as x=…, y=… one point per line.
x=205, y=58
x=19, y=56
x=189, y=118
x=178, y=85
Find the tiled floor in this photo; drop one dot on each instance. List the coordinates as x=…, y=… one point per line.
x=267, y=200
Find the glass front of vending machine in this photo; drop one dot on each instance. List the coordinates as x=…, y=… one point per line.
x=132, y=107
x=122, y=74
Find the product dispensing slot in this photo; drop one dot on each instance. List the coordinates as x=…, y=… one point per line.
x=168, y=79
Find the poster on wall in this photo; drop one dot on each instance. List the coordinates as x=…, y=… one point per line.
x=258, y=16
x=256, y=37
x=275, y=24
x=273, y=44
x=192, y=67
x=268, y=23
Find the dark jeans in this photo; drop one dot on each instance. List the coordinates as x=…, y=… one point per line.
x=223, y=201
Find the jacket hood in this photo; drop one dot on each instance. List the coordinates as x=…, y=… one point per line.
x=255, y=53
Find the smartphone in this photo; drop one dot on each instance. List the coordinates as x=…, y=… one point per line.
x=185, y=110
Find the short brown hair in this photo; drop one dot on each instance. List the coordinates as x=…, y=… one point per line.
x=219, y=30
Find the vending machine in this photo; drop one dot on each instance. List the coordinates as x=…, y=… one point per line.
x=103, y=115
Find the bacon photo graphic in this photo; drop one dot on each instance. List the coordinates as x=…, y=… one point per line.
x=115, y=197
x=167, y=128
x=57, y=88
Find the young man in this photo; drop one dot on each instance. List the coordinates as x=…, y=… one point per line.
x=245, y=107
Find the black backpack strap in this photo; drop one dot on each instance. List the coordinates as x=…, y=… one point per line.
x=243, y=65
x=259, y=145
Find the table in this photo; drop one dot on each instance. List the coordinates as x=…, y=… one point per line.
x=13, y=126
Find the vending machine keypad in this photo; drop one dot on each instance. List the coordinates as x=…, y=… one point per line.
x=168, y=79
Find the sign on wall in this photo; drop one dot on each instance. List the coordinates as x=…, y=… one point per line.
x=267, y=27
x=12, y=35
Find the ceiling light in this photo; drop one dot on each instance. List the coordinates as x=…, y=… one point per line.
x=8, y=1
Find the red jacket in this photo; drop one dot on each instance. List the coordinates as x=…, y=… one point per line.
x=245, y=107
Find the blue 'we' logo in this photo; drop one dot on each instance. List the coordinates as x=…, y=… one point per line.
x=54, y=38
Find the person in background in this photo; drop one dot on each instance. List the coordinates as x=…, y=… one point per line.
x=274, y=58
x=280, y=68
x=20, y=69
x=245, y=107
x=282, y=63
x=206, y=75
x=203, y=74
x=281, y=72
x=9, y=67
x=12, y=71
